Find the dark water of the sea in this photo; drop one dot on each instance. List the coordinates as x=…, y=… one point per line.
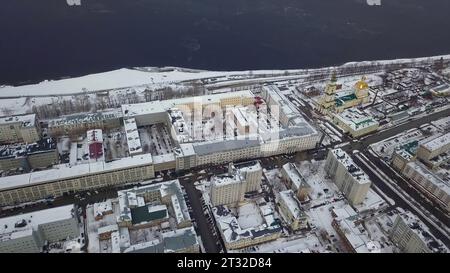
x=48, y=39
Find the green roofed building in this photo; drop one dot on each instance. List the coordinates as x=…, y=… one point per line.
x=179, y=241
x=355, y=122
x=149, y=215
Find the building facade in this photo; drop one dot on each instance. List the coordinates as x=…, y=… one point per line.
x=347, y=176
x=290, y=208
x=412, y=236
x=24, y=128
x=28, y=233
x=434, y=187
x=58, y=181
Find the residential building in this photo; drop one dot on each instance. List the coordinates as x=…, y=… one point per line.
x=348, y=177
x=29, y=232
x=80, y=123
x=178, y=241
x=295, y=181
x=236, y=237
x=62, y=179
x=434, y=152
x=227, y=189
x=24, y=128
x=152, y=204
x=429, y=183
x=404, y=154
x=411, y=235
x=355, y=236
x=230, y=188
x=290, y=208
x=40, y=154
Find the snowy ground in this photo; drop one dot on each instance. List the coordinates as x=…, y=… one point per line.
x=372, y=202
x=155, y=139
x=323, y=189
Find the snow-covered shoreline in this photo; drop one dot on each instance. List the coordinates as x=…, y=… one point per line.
x=151, y=76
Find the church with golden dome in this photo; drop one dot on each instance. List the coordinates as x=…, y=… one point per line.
x=339, y=101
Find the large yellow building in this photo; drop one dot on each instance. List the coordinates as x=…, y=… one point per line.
x=23, y=128
x=338, y=102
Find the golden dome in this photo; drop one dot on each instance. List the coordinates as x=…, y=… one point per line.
x=361, y=84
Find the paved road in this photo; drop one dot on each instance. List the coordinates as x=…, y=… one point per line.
x=397, y=129
x=208, y=239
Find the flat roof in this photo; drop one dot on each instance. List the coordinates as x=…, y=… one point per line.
x=16, y=226
x=26, y=120
x=23, y=149
x=231, y=230
x=353, y=169
x=226, y=179
x=85, y=118
x=291, y=202
x=132, y=135
x=295, y=176
x=430, y=176
x=422, y=231
x=356, y=119
x=131, y=110
x=209, y=147
x=64, y=171
x=437, y=143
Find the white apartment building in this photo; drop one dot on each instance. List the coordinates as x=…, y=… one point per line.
x=430, y=150
x=230, y=188
x=69, y=179
x=348, y=177
x=295, y=181
x=28, y=233
x=23, y=128
x=429, y=183
x=411, y=235
x=252, y=173
x=290, y=208
x=227, y=189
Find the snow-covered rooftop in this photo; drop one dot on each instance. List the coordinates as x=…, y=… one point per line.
x=128, y=198
x=226, y=179
x=295, y=176
x=132, y=110
x=63, y=171
x=232, y=231
x=171, y=241
x=94, y=135
x=291, y=202
x=25, y=120
x=357, y=236
x=356, y=119
x=359, y=175
x=22, y=224
x=430, y=176
x=102, y=207
x=419, y=228
x=85, y=118
x=437, y=143
x=132, y=134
